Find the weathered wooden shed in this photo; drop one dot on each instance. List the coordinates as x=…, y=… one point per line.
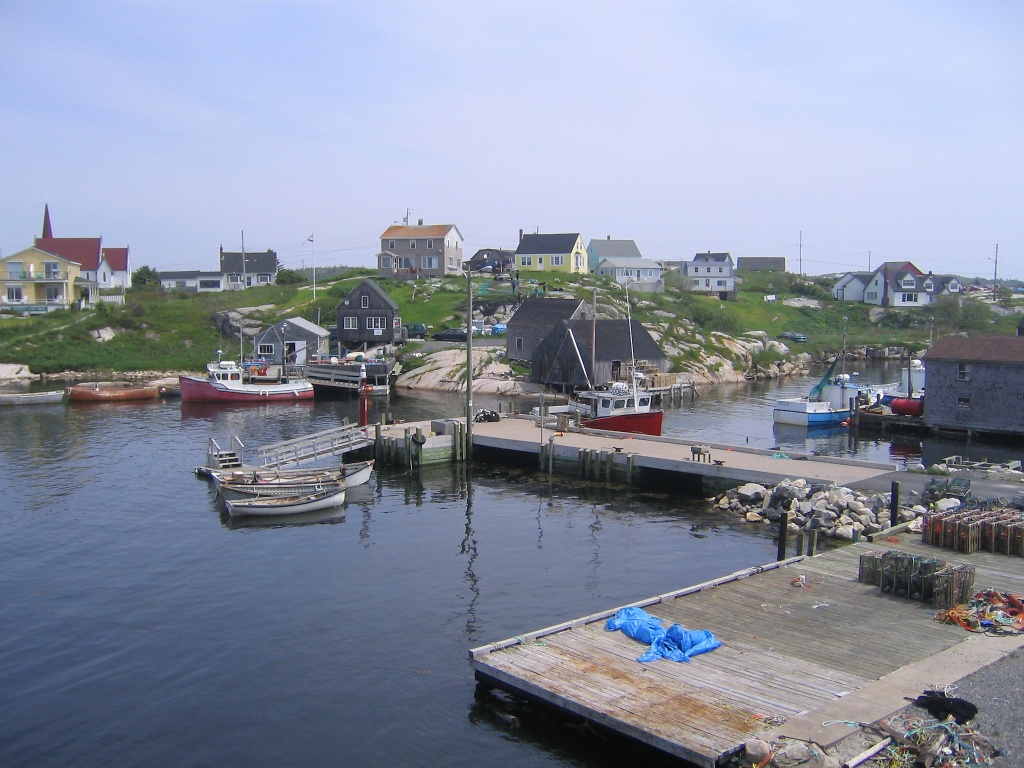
x=974, y=385
x=534, y=319
x=565, y=358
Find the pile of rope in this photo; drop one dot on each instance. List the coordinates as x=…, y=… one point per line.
x=990, y=611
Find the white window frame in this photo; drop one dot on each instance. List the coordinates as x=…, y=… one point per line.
x=391, y=245
x=351, y=323
x=558, y=261
x=364, y=302
x=376, y=323
x=412, y=245
x=526, y=261
x=14, y=294
x=430, y=245
x=963, y=372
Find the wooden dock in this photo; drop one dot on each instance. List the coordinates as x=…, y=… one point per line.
x=804, y=643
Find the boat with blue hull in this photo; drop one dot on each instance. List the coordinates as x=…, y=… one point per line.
x=828, y=402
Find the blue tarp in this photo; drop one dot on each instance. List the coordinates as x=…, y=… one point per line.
x=674, y=643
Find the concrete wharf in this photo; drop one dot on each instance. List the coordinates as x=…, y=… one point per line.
x=804, y=644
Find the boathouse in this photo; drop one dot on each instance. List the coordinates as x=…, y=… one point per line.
x=568, y=358
x=293, y=341
x=534, y=319
x=974, y=385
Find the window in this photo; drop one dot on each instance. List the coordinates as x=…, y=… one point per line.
x=405, y=262
x=15, y=270
x=430, y=245
x=14, y=293
x=963, y=372
x=263, y=279
x=376, y=323
x=908, y=298
x=558, y=261
x=385, y=262
x=54, y=293
x=871, y=296
x=396, y=321
x=234, y=278
x=364, y=302
x=526, y=261
x=391, y=245
x=720, y=270
x=265, y=350
x=519, y=343
x=412, y=245
x=963, y=402
x=907, y=282
x=430, y=262
x=351, y=323
x=721, y=283
x=210, y=284
x=929, y=285
x=51, y=269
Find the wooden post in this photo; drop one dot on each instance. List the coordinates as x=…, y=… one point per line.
x=800, y=541
x=783, y=532
x=812, y=542
x=894, y=503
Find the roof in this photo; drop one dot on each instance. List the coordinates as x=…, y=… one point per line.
x=861, y=277
x=613, y=339
x=709, y=256
x=543, y=244
x=255, y=262
x=628, y=263
x=614, y=249
x=117, y=258
x=544, y=312
x=410, y=232
x=370, y=286
x=84, y=251
x=977, y=349
x=307, y=326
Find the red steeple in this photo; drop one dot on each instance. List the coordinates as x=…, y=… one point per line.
x=47, y=231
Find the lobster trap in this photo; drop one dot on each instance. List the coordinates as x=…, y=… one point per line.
x=917, y=578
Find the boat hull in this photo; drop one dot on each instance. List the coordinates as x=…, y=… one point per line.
x=286, y=505
x=648, y=423
x=234, y=490
x=351, y=475
x=198, y=388
x=32, y=398
x=808, y=413
x=108, y=392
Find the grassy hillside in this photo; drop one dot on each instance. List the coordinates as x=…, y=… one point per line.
x=160, y=330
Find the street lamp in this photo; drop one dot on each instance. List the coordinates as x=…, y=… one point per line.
x=845, y=321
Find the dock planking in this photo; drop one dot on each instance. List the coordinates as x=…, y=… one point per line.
x=792, y=654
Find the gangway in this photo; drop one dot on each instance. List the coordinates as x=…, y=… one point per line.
x=336, y=441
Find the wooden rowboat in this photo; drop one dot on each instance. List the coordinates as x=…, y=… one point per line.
x=353, y=474
x=107, y=391
x=232, y=490
x=286, y=505
x=31, y=398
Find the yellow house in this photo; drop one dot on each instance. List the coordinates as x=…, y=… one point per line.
x=35, y=281
x=551, y=253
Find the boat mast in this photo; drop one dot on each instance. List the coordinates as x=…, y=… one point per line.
x=632, y=355
x=593, y=341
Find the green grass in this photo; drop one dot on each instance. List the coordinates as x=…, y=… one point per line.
x=158, y=330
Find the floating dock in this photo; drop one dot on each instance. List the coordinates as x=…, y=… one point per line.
x=804, y=644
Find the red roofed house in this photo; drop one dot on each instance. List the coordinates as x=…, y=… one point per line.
x=57, y=271
x=432, y=250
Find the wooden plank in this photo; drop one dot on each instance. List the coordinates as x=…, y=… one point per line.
x=787, y=651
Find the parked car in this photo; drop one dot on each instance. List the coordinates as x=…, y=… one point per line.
x=799, y=337
x=416, y=330
x=452, y=334
x=786, y=335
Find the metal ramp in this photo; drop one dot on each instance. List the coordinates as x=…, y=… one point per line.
x=337, y=441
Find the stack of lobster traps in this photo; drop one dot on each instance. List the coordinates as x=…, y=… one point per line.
x=998, y=530
x=928, y=580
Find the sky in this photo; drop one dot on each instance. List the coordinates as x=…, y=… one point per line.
x=836, y=134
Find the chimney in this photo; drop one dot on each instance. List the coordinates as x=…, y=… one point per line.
x=420, y=222
x=520, y=235
x=608, y=237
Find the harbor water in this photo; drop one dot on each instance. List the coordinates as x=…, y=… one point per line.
x=143, y=627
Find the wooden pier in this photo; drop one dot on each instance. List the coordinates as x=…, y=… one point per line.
x=804, y=644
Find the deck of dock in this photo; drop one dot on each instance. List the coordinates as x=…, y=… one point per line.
x=824, y=650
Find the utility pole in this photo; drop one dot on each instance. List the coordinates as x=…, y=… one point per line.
x=995, y=274
x=801, y=253
x=869, y=261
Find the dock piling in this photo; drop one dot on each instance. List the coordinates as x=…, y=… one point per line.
x=783, y=533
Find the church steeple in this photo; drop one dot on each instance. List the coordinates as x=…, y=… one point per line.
x=47, y=230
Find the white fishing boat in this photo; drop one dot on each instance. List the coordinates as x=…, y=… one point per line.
x=286, y=505
x=227, y=381
x=351, y=474
x=828, y=402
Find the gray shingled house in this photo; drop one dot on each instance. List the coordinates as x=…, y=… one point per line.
x=974, y=385
x=534, y=319
x=368, y=317
x=564, y=359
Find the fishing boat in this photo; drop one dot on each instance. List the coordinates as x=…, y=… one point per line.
x=619, y=409
x=32, y=398
x=286, y=505
x=227, y=381
x=828, y=402
x=111, y=391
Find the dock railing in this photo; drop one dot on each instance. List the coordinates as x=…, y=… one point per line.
x=340, y=440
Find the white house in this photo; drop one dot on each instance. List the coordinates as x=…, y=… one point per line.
x=631, y=270
x=895, y=284
x=711, y=273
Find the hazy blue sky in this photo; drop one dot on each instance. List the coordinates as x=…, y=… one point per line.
x=893, y=128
